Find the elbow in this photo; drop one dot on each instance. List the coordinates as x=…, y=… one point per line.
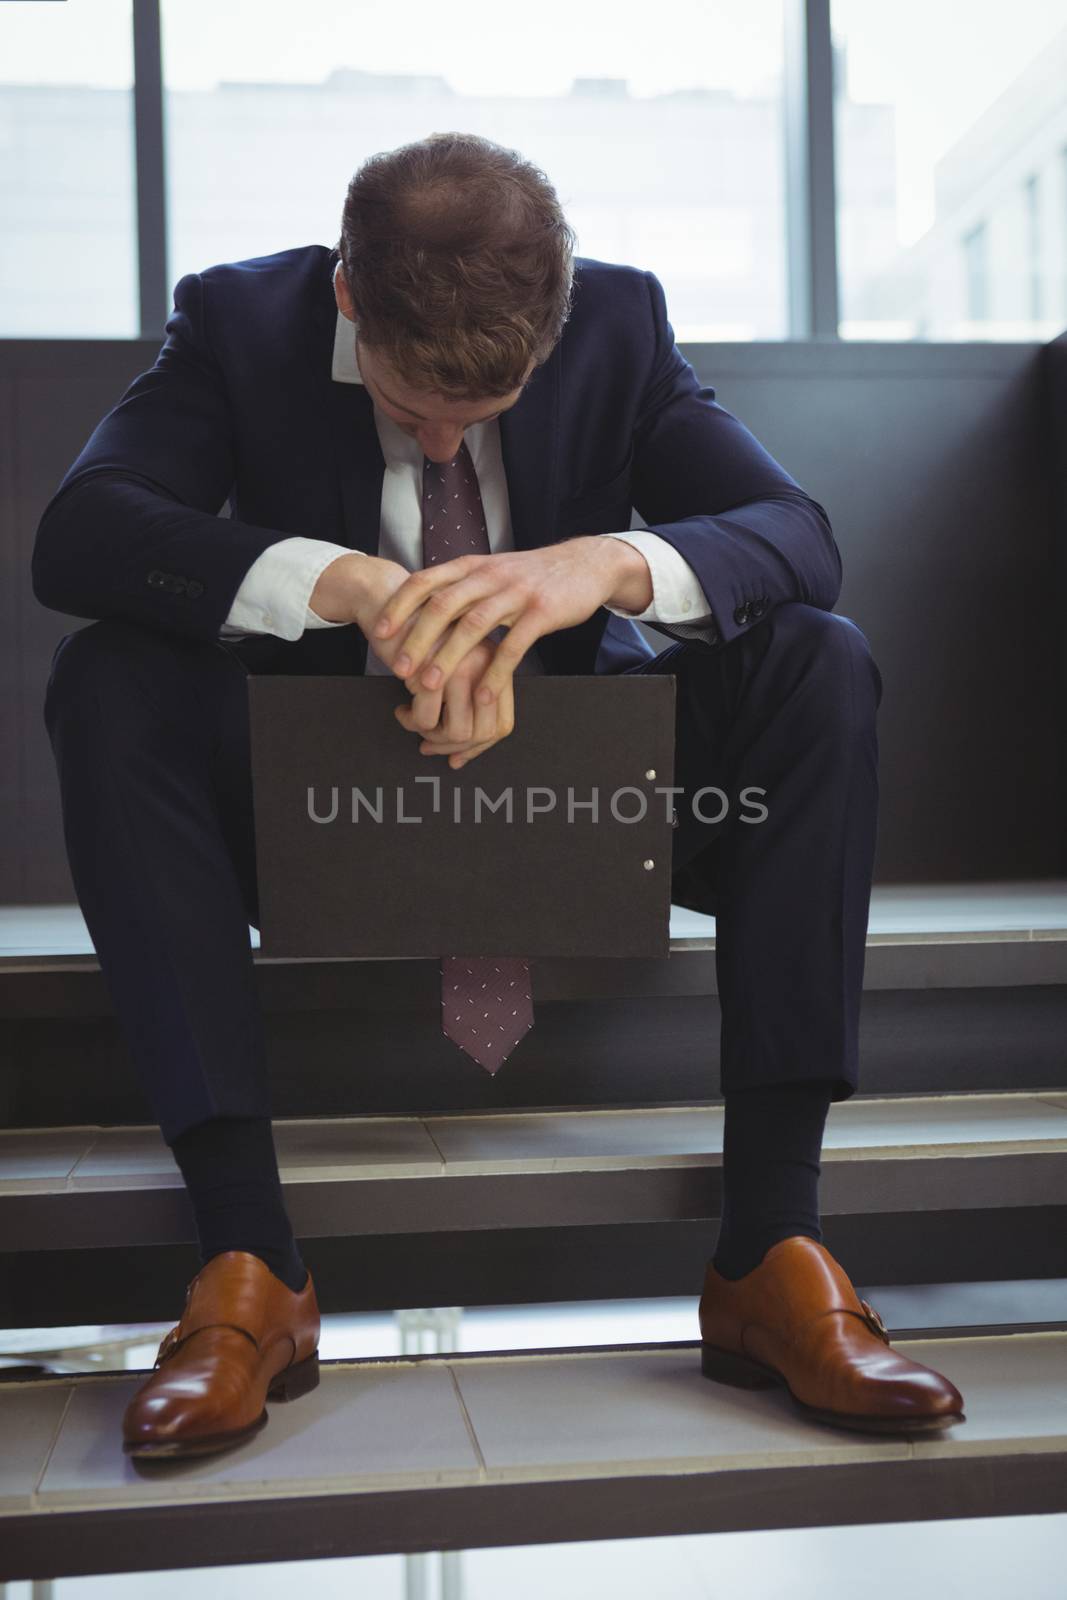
x=829, y=570
x=45, y=567
x=51, y=578
x=47, y=564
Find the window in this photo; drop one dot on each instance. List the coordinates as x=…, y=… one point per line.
x=68, y=266
x=950, y=127
x=1032, y=207
x=664, y=142
x=976, y=271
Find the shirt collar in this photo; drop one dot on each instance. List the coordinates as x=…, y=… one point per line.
x=345, y=366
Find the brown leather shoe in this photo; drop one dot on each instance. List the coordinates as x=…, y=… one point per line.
x=243, y=1337
x=795, y=1320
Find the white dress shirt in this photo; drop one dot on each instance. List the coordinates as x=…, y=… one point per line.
x=274, y=594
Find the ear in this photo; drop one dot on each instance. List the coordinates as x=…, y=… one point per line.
x=342, y=296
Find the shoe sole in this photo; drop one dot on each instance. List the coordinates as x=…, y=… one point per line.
x=291, y=1384
x=741, y=1372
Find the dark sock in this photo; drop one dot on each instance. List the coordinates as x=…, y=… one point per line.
x=771, y=1146
x=231, y=1172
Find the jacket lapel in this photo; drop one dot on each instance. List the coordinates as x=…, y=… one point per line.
x=529, y=446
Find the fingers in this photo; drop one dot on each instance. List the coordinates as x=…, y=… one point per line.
x=491, y=724
x=408, y=614
x=406, y=600
x=467, y=730
x=458, y=721
x=499, y=675
x=426, y=705
x=465, y=613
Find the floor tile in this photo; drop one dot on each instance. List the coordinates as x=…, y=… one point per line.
x=42, y=1153
x=364, y=1146
x=555, y=1141
x=360, y=1429
x=29, y=1417
x=126, y=1153
x=1014, y=1389
x=645, y=1410
x=968, y=907
x=934, y=1120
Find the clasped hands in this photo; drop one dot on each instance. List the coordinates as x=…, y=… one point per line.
x=432, y=632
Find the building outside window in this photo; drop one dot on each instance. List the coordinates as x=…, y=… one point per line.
x=1032, y=207
x=664, y=157
x=974, y=106
x=667, y=147
x=68, y=244
x=976, y=270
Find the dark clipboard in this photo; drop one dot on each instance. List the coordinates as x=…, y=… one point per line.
x=426, y=868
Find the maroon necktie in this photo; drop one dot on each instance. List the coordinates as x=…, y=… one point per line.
x=486, y=1001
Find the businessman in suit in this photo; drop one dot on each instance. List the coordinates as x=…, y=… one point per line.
x=452, y=351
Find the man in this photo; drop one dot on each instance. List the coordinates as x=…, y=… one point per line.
x=452, y=355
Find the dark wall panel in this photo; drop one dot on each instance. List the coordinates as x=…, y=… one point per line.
x=1054, y=440
x=934, y=464
x=931, y=461
x=56, y=393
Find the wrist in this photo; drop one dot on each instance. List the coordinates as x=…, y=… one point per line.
x=341, y=587
x=629, y=575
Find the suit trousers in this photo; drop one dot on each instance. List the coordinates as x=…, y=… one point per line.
x=775, y=760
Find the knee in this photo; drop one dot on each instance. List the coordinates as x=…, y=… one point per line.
x=96, y=660
x=828, y=643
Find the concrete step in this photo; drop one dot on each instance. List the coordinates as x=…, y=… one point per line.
x=79, y=1188
x=965, y=989
x=95, y=1226
x=934, y=932
x=518, y=1448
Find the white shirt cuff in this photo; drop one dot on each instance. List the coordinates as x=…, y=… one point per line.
x=274, y=593
x=677, y=595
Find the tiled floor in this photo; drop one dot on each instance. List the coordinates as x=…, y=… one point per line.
x=1034, y=909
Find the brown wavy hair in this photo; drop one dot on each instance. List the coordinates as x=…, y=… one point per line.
x=460, y=263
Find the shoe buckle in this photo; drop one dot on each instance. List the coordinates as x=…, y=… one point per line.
x=874, y=1321
x=167, y=1346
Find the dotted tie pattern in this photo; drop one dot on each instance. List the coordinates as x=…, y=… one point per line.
x=486, y=1001
x=486, y=1005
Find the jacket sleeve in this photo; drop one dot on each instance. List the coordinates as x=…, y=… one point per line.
x=133, y=529
x=704, y=483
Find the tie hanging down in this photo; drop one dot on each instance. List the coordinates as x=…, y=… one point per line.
x=486, y=1001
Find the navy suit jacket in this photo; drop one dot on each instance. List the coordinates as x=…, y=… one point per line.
x=240, y=409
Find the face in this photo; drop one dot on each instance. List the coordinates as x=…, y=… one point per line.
x=437, y=421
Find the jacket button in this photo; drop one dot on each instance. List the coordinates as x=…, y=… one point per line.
x=759, y=606
x=741, y=615
x=194, y=588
